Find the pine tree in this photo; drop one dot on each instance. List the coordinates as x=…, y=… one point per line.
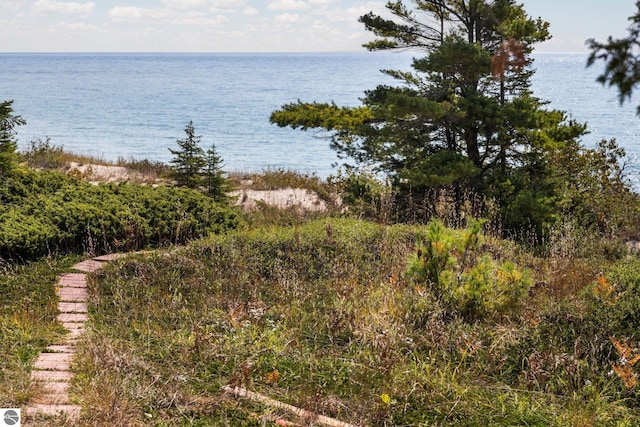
x=189, y=160
x=216, y=182
x=621, y=61
x=463, y=119
x=8, y=145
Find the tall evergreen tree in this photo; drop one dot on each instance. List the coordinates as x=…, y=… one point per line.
x=215, y=180
x=189, y=160
x=8, y=145
x=464, y=118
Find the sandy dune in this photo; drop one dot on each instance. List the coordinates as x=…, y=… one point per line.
x=249, y=199
x=100, y=173
x=283, y=199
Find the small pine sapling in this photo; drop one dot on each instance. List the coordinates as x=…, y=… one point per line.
x=189, y=160
x=216, y=183
x=469, y=283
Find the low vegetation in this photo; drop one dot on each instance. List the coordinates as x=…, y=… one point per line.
x=275, y=179
x=333, y=316
x=445, y=323
x=485, y=282
x=43, y=154
x=358, y=320
x=44, y=213
x=28, y=309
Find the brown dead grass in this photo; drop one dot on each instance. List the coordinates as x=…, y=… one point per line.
x=97, y=173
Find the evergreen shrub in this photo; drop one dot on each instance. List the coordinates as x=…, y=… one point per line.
x=467, y=280
x=45, y=212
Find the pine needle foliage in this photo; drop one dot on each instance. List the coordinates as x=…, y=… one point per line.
x=8, y=121
x=467, y=280
x=189, y=160
x=216, y=183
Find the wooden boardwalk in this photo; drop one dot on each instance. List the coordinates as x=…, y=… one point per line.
x=52, y=367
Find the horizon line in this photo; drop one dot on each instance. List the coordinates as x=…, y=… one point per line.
x=152, y=52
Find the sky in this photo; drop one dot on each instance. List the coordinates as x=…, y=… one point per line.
x=252, y=25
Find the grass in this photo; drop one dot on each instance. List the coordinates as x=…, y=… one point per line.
x=275, y=179
x=322, y=316
x=265, y=215
x=28, y=309
x=320, y=313
x=43, y=155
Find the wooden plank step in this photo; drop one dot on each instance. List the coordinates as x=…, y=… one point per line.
x=51, y=375
x=73, y=280
x=73, y=317
x=88, y=266
x=52, y=410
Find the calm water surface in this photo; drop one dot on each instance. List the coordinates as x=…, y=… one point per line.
x=136, y=105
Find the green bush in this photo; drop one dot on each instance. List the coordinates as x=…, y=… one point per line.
x=46, y=212
x=469, y=282
x=364, y=194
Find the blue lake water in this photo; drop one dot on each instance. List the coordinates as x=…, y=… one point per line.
x=136, y=105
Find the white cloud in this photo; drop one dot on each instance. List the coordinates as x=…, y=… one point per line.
x=227, y=6
x=287, y=5
x=320, y=26
x=127, y=13
x=164, y=16
x=43, y=6
x=140, y=14
x=184, y=4
x=350, y=15
x=287, y=18
x=7, y=5
x=77, y=26
x=189, y=25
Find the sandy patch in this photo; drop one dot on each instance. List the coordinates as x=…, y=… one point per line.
x=100, y=173
x=285, y=198
x=248, y=199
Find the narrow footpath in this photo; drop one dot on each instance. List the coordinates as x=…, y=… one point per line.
x=52, y=367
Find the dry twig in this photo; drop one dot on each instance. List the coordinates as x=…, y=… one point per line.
x=261, y=398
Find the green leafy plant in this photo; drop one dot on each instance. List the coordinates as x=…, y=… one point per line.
x=469, y=282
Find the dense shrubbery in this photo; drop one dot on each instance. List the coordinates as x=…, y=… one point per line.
x=45, y=212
